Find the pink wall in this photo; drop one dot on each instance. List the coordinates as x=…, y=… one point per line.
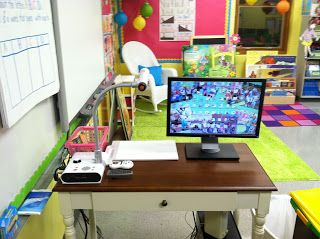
x=210, y=20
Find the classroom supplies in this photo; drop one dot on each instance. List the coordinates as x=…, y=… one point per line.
x=145, y=150
x=82, y=139
x=35, y=202
x=9, y=223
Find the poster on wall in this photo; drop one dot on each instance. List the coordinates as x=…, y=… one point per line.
x=177, y=20
x=209, y=60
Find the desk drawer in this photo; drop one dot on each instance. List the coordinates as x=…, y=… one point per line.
x=167, y=201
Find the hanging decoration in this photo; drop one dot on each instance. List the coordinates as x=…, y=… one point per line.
x=283, y=6
x=235, y=39
x=139, y=23
x=251, y=2
x=120, y=18
x=146, y=10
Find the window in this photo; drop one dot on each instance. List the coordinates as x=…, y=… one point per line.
x=261, y=26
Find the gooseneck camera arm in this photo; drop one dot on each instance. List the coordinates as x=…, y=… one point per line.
x=141, y=85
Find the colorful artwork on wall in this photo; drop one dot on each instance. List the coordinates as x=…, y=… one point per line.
x=177, y=20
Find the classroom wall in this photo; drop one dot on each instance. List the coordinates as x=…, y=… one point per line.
x=27, y=142
x=150, y=35
x=293, y=40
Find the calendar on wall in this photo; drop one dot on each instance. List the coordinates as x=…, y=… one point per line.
x=177, y=20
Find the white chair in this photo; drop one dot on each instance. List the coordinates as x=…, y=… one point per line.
x=135, y=53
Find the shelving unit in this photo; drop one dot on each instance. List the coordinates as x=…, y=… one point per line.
x=308, y=83
x=286, y=88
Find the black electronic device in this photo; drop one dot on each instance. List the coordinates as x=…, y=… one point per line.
x=211, y=108
x=119, y=173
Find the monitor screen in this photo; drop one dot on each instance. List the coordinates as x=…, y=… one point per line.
x=222, y=107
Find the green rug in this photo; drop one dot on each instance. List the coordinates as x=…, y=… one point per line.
x=277, y=159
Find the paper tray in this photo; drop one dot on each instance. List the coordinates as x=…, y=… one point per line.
x=145, y=150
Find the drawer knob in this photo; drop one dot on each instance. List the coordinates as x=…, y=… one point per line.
x=164, y=203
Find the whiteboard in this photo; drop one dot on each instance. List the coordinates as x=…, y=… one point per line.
x=79, y=41
x=28, y=62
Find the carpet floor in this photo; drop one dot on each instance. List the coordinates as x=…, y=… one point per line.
x=289, y=115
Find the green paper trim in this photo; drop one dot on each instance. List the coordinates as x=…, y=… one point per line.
x=19, y=198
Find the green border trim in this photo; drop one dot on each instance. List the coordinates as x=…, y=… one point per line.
x=19, y=198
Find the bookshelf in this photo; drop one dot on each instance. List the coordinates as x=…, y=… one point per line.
x=280, y=91
x=308, y=70
x=280, y=72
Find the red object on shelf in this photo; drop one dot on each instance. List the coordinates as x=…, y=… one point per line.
x=82, y=139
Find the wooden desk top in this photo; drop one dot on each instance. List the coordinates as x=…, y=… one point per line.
x=186, y=176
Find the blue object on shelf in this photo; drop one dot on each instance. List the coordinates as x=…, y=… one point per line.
x=311, y=88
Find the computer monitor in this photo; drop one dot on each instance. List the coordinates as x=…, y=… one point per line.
x=214, y=107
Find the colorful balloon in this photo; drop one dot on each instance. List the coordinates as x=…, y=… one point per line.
x=146, y=10
x=139, y=23
x=120, y=18
x=251, y=2
x=283, y=6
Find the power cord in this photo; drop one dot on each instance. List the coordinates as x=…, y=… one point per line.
x=194, y=228
x=85, y=219
x=64, y=159
x=87, y=222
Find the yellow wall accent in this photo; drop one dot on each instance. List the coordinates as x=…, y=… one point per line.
x=49, y=225
x=292, y=49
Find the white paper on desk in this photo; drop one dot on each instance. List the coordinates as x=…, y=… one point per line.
x=147, y=150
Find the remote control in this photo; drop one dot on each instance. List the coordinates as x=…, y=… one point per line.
x=125, y=164
x=119, y=173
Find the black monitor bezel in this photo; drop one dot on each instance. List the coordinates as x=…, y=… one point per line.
x=257, y=132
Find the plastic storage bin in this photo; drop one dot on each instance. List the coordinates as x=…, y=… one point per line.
x=311, y=88
x=82, y=139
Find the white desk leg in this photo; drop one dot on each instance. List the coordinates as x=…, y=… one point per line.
x=261, y=213
x=68, y=216
x=92, y=221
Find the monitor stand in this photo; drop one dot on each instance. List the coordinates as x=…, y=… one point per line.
x=209, y=148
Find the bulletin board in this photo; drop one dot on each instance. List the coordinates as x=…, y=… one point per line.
x=211, y=19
